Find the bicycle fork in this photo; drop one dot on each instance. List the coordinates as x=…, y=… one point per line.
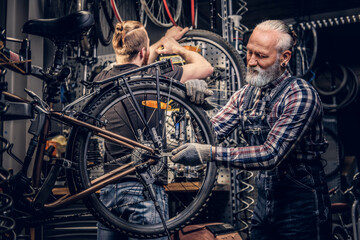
x=148, y=179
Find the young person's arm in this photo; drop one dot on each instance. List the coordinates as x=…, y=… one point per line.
x=175, y=33
x=196, y=67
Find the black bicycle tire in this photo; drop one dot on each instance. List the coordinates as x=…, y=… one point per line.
x=331, y=67
x=225, y=47
x=109, y=17
x=94, y=205
x=299, y=66
x=355, y=89
x=157, y=21
x=349, y=91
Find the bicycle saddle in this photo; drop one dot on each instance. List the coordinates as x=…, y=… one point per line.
x=65, y=28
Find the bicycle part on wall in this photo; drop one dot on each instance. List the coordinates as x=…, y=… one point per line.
x=129, y=10
x=305, y=51
x=238, y=28
x=104, y=21
x=338, y=86
x=157, y=13
x=332, y=22
x=304, y=54
x=182, y=122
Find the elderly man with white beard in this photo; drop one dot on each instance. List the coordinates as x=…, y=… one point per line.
x=280, y=121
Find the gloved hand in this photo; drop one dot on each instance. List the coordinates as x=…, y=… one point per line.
x=192, y=154
x=197, y=90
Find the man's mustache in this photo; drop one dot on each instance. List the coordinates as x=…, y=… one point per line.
x=253, y=70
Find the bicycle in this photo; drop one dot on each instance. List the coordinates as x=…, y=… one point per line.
x=165, y=99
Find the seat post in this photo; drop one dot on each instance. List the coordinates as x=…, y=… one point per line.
x=59, y=54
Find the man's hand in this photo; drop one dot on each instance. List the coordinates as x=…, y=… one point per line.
x=176, y=32
x=197, y=90
x=192, y=154
x=169, y=46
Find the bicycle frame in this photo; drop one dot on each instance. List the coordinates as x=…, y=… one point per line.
x=38, y=202
x=165, y=120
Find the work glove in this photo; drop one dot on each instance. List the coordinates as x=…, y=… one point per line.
x=192, y=154
x=197, y=90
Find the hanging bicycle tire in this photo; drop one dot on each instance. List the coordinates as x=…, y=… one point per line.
x=128, y=10
x=304, y=53
x=104, y=21
x=188, y=188
x=229, y=68
x=156, y=11
x=338, y=86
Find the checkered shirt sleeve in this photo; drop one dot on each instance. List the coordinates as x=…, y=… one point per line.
x=296, y=129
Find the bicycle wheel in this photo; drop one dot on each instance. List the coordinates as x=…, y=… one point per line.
x=229, y=68
x=338, y=86
x=125, y=10
x=188, y=187
x=304, y=53
x=104, y=21
x=156, y=11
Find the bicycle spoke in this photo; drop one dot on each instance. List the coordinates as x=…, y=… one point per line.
x=186, y=190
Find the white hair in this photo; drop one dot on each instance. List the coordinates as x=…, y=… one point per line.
x=286, y=41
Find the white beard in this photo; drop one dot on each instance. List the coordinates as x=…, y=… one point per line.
x=259, y=77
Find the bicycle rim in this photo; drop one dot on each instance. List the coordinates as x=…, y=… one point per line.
x=156, y=11
x=344, y=88
x=229, y=68
x=104, y=21
x=125, y=11
x=183, y=121
x=304, y=53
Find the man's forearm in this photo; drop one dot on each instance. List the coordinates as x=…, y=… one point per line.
x=196, y=67
x=153, y=54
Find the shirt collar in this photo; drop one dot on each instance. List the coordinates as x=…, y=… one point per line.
x=277, y=81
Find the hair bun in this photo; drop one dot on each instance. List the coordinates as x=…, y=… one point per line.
x=119, y=27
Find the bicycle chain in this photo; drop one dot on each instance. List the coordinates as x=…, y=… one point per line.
x=110, y=162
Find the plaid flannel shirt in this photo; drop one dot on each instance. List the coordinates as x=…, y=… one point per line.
x=295, y=121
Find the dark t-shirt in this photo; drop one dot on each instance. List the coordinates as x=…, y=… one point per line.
x=121, y=116
x=118, y=69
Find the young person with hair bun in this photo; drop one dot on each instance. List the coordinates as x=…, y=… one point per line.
x=132, y=50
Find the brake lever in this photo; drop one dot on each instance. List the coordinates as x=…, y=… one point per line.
x=37, y=99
